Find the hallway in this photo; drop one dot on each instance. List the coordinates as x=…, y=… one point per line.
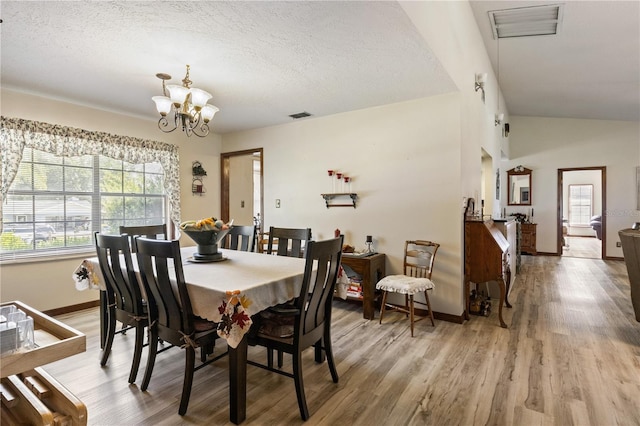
x=583, y=247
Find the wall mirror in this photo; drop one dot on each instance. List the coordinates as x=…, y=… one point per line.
x=519, y=186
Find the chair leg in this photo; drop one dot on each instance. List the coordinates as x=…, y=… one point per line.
x=328, y=349
x=297, y=375
x=207, y=350
x=190, y=363
x=137, y=352
x=270, y=357
x=406, y=305
x=280, y=359
x=411, y=312
x=151, y=359
x=204, y=351
x=426, y=296
x=318, y=351
x=382, y=305
x=111, y=328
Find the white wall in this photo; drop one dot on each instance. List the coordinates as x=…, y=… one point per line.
x=48, y=284
x=548, y=144
x=404, y=161
x=450, y=30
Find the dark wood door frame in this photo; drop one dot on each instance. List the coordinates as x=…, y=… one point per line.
x=225, y=165
x=603, y=176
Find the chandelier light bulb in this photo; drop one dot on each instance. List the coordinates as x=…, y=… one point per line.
x=178, y=94
x=163, y=104
x=199, y=98
x=208, y=111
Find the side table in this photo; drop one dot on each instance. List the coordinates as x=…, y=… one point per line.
x=372, y=269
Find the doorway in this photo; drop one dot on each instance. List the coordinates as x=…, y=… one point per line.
x=487, y=182
x=242, y=187
x=581, y=212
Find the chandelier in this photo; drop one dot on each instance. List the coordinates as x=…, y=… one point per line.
x=185, y=107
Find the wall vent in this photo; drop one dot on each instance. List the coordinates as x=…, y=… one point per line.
x=526, y=21
x=298, y=115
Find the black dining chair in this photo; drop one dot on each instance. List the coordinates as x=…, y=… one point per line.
x=308, y=319
x=170, y=314
x=240, y=238
x=288, y=241
x=148, y=231
x=124, y=297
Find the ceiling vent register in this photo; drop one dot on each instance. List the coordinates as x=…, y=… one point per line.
x=298, y=115
x=526, y=21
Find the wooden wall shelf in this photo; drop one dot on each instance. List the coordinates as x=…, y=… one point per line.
x=329, y=198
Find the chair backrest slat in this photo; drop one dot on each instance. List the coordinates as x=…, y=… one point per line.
x=419, y=256
x=147, y=231
x=161, y=264
x=114, y=257
x=290, y=241
x=240, y=238
x=318, y=286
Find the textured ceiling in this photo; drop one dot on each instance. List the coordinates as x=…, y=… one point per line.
x=261, y=60
x=265, y=60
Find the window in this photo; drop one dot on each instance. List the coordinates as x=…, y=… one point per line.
x=56, y=203
x=580, y=204
x=59, y=184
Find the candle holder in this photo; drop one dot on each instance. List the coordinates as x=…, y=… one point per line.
x=347, y=183
x=340, y=184
x=333, y=181
x=369, y=244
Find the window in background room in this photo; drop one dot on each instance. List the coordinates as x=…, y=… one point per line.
x=580, y=204
x=56, y=203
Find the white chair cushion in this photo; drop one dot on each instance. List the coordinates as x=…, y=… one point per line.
x=404, y=284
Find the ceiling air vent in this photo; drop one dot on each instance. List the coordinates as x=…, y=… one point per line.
x=298, y=115
x=526, y=21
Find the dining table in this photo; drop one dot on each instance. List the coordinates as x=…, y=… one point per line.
x=227, y=292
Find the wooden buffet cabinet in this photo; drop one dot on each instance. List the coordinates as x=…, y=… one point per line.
x=371, y=269
x=528, y=238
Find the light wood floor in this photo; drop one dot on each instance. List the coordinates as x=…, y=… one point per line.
x=570, y=357
x=585, y=247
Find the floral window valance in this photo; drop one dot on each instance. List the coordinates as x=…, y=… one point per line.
x=17, y=133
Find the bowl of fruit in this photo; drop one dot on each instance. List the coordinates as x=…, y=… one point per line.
x=206, y=233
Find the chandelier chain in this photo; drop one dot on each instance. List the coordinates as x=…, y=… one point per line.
x=185, y=81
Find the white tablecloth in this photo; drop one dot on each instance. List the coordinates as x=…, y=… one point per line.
x=227, y=292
